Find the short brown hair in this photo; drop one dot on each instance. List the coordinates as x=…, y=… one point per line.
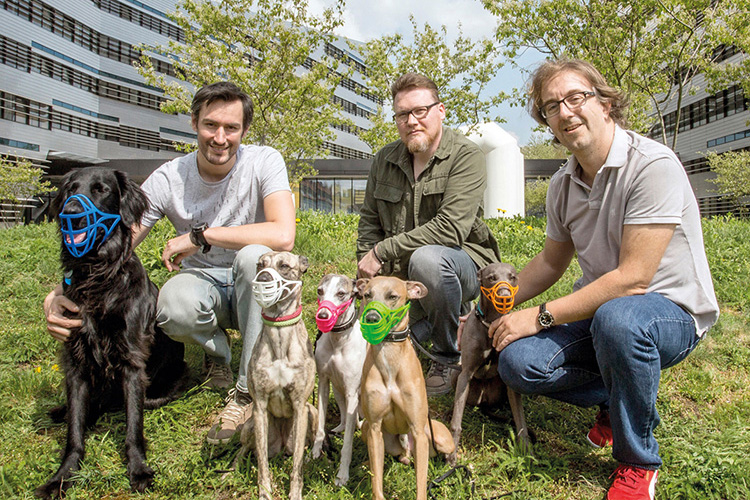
x=223, y=91
x=606, y=94
x=411, y=81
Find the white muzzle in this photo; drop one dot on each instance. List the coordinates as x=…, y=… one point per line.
x=269, y=292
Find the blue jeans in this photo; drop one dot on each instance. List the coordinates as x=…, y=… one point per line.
x=613, y=360
x=196, y=306
x=451, y=280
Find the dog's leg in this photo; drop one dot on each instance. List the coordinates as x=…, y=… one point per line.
x=341, y=402
x=260, y=420
x=300, y=435
x=516, y=407
x=459, y=403
x=320, y=434
x=352, y=403
x=376, y=452
x=134, y=389
x=421, y=457
x=78, y=394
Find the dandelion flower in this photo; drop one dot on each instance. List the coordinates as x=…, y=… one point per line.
x=55, y=368
x=38, y=369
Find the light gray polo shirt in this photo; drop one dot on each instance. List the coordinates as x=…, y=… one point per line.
x=641, y=182
x=176, y=190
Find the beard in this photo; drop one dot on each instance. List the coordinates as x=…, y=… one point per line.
x=416, y=146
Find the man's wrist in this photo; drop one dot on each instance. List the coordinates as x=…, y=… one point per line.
x=377, y=257
x=197, y=237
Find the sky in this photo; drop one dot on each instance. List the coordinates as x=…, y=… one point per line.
x=367, y=19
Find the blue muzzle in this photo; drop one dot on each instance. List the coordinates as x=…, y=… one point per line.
x=79, y=229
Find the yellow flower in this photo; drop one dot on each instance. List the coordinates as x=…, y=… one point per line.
x=529, y=227
x=38, y=369
x=501, y=210
x=296, y=220
x=55, y=368
x=523, y=222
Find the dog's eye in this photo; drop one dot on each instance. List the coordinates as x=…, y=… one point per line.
x=321, y=292
x=341, y=294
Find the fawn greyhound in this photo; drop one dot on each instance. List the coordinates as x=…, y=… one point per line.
x=393, y=395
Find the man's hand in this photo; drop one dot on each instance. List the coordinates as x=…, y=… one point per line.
x=55, y=306
x=513, y=326
x=369, y=266
x=177, y=249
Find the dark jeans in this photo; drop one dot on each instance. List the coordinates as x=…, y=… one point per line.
x=614, y=360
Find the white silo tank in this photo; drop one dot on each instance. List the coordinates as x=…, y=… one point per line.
x=504, y=196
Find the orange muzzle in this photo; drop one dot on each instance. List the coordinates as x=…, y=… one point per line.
x=503, y=302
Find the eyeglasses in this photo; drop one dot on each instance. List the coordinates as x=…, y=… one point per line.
x=572, y=101
x=419, y=112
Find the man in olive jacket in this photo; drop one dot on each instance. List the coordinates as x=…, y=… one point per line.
x=422, y=219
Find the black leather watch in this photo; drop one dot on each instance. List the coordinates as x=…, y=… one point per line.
x=545, y=318
x=198, y=239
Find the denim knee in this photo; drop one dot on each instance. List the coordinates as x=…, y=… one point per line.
x=246, y=261
x=516, y=370
x=425, y=264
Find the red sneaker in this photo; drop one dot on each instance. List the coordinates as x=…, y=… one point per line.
x=600, y=434
x=632, y=483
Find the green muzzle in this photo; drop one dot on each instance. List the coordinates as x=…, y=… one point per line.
x=374, y=333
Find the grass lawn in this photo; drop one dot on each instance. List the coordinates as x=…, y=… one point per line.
x=704, y=402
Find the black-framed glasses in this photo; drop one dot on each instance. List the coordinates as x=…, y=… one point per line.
x=419, y=112
x=572, y=101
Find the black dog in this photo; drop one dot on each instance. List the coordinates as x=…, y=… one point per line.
x=118, y=357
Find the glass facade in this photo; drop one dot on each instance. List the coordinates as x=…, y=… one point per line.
x=338, y=195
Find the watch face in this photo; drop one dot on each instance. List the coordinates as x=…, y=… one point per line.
x=545, y=319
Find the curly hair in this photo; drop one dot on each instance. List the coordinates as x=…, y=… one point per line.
x=617, y=99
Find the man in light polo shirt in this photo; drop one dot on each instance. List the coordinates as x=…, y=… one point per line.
x=624, y=205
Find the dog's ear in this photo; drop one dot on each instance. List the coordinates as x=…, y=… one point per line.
x=303, y=264
x=359, y=286
x=56, y=204
x=133, y=202
x=415, y=290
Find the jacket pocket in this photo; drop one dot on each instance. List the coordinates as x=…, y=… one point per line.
x=389, y=200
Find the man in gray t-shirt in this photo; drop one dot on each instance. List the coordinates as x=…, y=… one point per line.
x=229, y=204
x=624, y=205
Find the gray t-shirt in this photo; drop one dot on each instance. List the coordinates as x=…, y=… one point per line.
x=641, y=182
x=176, y=190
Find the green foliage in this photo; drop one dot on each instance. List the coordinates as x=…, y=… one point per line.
x=20, y=180
x=703, y=401
x=462, y=71
x=620, y=39
x=259, y=45
x=732, y=173
x=535, y=196
x=541, y=147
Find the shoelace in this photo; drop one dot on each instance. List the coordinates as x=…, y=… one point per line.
x=627, y=476
x=233, y=411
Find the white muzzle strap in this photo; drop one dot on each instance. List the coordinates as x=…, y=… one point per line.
x=267, y=293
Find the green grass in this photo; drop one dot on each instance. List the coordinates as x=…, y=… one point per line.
x=704, y=402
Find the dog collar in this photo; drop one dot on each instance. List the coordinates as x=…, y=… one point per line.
x=480, y=315
x=397, y=336
x=345, y=326
x=280, y=321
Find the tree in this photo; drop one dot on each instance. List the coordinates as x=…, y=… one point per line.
x=20, y=180
x=260, y=45
x=541, y=147
x=650, y=49
x=462, y=70
x=732, y=174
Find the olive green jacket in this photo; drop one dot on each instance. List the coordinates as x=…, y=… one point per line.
x=443, y=207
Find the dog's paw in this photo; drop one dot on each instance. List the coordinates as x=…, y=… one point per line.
x=317, y=448
x=141, y=477
x=51, y=489
x=342, y=478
